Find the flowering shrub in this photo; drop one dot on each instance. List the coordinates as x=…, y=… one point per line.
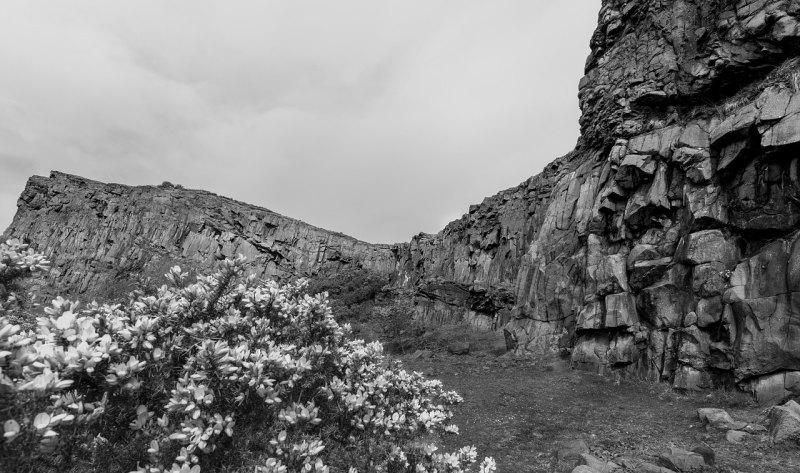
x=226, y=370
x=16, y=260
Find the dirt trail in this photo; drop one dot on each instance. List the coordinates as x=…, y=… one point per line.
x=517, y=412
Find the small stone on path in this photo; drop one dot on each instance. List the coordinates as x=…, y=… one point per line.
x=735, y=436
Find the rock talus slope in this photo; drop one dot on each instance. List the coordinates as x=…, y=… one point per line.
x=666, y=244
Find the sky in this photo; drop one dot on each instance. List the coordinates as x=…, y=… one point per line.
x=378, y=119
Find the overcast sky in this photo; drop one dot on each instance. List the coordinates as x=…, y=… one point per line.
x=376, y=118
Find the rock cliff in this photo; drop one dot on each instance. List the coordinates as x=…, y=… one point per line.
x=102, y=237
x=666, y=244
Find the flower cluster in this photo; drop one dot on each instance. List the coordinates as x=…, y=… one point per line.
x=16, y=259
x=198, y=363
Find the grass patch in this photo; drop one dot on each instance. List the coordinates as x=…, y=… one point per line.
x=519, y=410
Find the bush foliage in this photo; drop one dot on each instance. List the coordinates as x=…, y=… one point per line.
x=222, y=373
x=352, y=293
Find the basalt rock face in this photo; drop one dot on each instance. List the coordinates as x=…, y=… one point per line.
x=667, y=243
x=657, y=59
x=102, y=237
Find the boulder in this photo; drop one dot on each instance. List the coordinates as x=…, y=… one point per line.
x=719, y=419
x=681, y=460
x=784, y=423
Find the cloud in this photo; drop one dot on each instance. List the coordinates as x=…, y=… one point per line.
x=377, y=119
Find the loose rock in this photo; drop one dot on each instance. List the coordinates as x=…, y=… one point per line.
x=784, y=423
x=719, y=419
x=681, y=460
x=735, y=436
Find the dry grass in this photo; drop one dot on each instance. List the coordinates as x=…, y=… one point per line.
x=787, y=74
x=794, y=81
x=518, y=410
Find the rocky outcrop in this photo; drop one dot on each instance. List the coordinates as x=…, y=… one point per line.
x=656, y=60
x=666, y=244
x=102, y=237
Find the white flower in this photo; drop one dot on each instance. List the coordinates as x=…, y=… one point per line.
x=488, y=465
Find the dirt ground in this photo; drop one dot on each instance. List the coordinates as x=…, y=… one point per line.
x=519, y=410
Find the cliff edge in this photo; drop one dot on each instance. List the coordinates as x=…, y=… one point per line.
x=102, y=237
